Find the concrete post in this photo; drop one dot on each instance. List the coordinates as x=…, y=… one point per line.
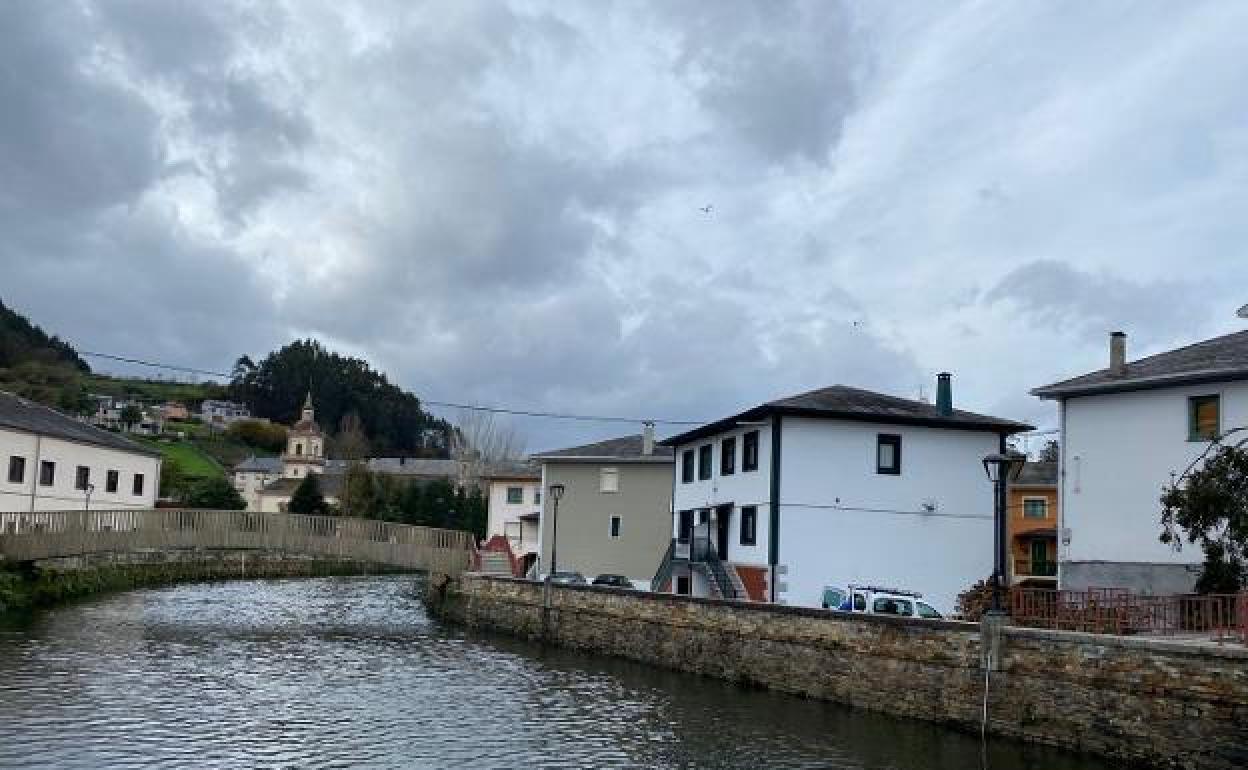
x=992, y=640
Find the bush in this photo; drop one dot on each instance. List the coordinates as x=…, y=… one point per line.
x=976, y=600
x=259, y=434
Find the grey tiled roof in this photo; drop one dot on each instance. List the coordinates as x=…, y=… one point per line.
x=622, y=448
x=1038, y=474
x=1218, y=359
x=512, y=471
x=330, y=484
x=255, y=464
x=846, y=403
x=21, y=414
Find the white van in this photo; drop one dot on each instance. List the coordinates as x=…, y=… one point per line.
x=878, y=600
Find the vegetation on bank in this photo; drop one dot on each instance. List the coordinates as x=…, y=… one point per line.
x=387, y=497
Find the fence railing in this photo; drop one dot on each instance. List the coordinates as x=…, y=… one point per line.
x=1118, y=611
x=34, y=535
x=1029, y=568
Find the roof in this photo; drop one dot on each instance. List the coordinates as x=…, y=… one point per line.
x=1213, y=360
x=255, y=464
x=622, y=449
x=330, y=483
x=20, y=414
x=415, y=466
x=513, y=472
x=1037, y=474
x=842, y=402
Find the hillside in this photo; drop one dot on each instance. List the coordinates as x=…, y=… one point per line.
x=22, y=342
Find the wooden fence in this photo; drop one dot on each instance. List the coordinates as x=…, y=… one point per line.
x=52, y=534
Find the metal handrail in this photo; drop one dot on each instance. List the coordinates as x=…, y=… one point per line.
x=664, y=573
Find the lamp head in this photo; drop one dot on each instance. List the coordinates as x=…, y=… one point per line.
x=556, y=491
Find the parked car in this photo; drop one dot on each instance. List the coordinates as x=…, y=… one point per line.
x=568, y=578
x=615, y=581
x=878, y=600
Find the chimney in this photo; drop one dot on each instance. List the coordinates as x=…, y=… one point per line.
x=944, y=394
x=1118, y=353
x=647, y=438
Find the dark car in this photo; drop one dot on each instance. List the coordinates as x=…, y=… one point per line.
x=615, y=581
x=568, y=578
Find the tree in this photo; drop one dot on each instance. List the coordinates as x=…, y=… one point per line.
x=351, y=443
x=307, y=498
x=130, y=416
x=975, y=601
x=215, y=492
x=259, y=434
x=1051, y=452
x=1209, y=506
x=173, y=481
x=480, y=440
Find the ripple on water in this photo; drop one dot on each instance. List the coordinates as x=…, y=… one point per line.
x=350, y=673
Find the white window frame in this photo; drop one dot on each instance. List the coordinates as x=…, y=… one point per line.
x=1043, y=500
x=609, y=487
x=614, y=530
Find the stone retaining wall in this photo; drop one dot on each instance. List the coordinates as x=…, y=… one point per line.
x=1160, y=703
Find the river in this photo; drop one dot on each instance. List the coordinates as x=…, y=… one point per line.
x=351, y=673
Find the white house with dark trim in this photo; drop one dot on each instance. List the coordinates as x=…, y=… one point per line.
x=835, y=486
x=52, y=462
x=1126, y=430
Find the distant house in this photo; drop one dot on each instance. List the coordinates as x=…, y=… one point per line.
x=174, y=410
x=221, y=413
x=831, y=487
x=1032, y=523
x=253, y=475
x=1127, y=430
x=514, y=497
x=55, y=462
x=615, y=514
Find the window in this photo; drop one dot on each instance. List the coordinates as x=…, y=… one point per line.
x=684, y=526
x=82, y=477
x=609, y=480
x=888, y=454
x=860, y=603
x=704, y=462
x=138, y=483
x=1202, y=418
x=47, y=473
x=749, y=524
x=749, y=451
x=886, y=606
x=615, y=527
x=728, y=456
x=1035, y=508
x=928, y=611
x=515, y=495
x=298, y=448
x=686, y=466
x=682, y=585
x=17, y=469
x=537, y=496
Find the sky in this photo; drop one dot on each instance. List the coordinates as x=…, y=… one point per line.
x=503, y=202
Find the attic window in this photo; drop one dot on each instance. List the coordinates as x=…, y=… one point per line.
x=888, y=454
x=1203, y=418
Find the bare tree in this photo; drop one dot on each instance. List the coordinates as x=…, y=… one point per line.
x=480, y=440
x=351, y=443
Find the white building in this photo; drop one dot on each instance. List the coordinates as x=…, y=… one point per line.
x=222, y=413
x=54, y=462
x=1127, y=430
x=514, y=497
x=831, y=487
x=253, y=475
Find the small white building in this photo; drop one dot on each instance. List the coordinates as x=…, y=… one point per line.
x=222, y=413
x=514, y=497
x=54, y=462
x=253, y=475
x=831, y=487
x=1127, y=430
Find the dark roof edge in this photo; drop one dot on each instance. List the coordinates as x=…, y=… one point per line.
x=134, y=448
x=1005, y=427
x=656, y=459
x=1058, y=391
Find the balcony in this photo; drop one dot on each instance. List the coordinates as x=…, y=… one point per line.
x=1026, y=568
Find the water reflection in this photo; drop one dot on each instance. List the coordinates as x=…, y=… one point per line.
x=350, y=673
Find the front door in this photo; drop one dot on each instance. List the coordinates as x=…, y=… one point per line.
x=1039, y=555
x=723, y=518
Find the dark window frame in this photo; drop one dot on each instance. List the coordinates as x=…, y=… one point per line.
x=616, y=526
x=47, y=473
x=17, y=469
x=893, y=440
x=1193, y=426
x=82, y=477
x=518, y=498
x=706, y=462
x=684, y=586
x=686, y=466
x=112, y=480
x=137, y=485
x=684, y=526
x=1044, y=507
x=749, y=525
x=749, y=452
x=728, y=456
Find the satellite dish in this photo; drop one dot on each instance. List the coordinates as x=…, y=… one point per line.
x=1242, y=312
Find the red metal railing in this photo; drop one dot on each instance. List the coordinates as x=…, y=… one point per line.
x=1117, y=611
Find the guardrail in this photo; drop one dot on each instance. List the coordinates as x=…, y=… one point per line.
x=51, y=534
x=1118, y=611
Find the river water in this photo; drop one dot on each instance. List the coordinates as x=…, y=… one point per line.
x=351, y=673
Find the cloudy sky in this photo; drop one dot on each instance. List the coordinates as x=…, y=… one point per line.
x=501, y=202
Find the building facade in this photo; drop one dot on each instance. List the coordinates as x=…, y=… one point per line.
x=253, y=475
x=1127, y=431
x=833, y=487
x=53, y=462
x=514, y=498
x=1032, y=522
x=615, y=514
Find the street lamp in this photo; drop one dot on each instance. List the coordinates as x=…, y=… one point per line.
x=556, y=494
x=89, y=488
x=1001, y=470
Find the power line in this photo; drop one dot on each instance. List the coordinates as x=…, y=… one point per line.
x=447, y=404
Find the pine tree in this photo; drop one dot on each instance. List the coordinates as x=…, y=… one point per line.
x=307, y=498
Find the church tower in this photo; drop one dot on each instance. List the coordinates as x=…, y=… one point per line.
x=305, y=445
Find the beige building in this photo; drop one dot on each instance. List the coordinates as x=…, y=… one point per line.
x=615, y=516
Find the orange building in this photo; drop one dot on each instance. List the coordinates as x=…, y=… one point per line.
x=1032, y=522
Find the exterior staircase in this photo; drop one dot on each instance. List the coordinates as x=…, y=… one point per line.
x=495, y=563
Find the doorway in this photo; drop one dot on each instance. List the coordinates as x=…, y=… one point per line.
x=723, y=525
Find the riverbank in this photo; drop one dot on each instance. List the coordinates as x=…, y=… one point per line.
x=51, y=582
x=1140, y=701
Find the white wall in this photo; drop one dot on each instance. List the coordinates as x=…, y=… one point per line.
x=503, y=513
x=841, y=521
x=249, y=484
x=68, y=455
x=1119, y=450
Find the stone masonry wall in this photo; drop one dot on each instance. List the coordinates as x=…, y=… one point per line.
x=1159, y=703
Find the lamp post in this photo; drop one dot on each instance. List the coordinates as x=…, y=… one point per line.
x=556, y=494
x=89, y=489
x=1001, y=470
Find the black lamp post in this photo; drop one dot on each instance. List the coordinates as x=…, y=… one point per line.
x=89, y=489
x=556, y=494
x=1001, y=470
